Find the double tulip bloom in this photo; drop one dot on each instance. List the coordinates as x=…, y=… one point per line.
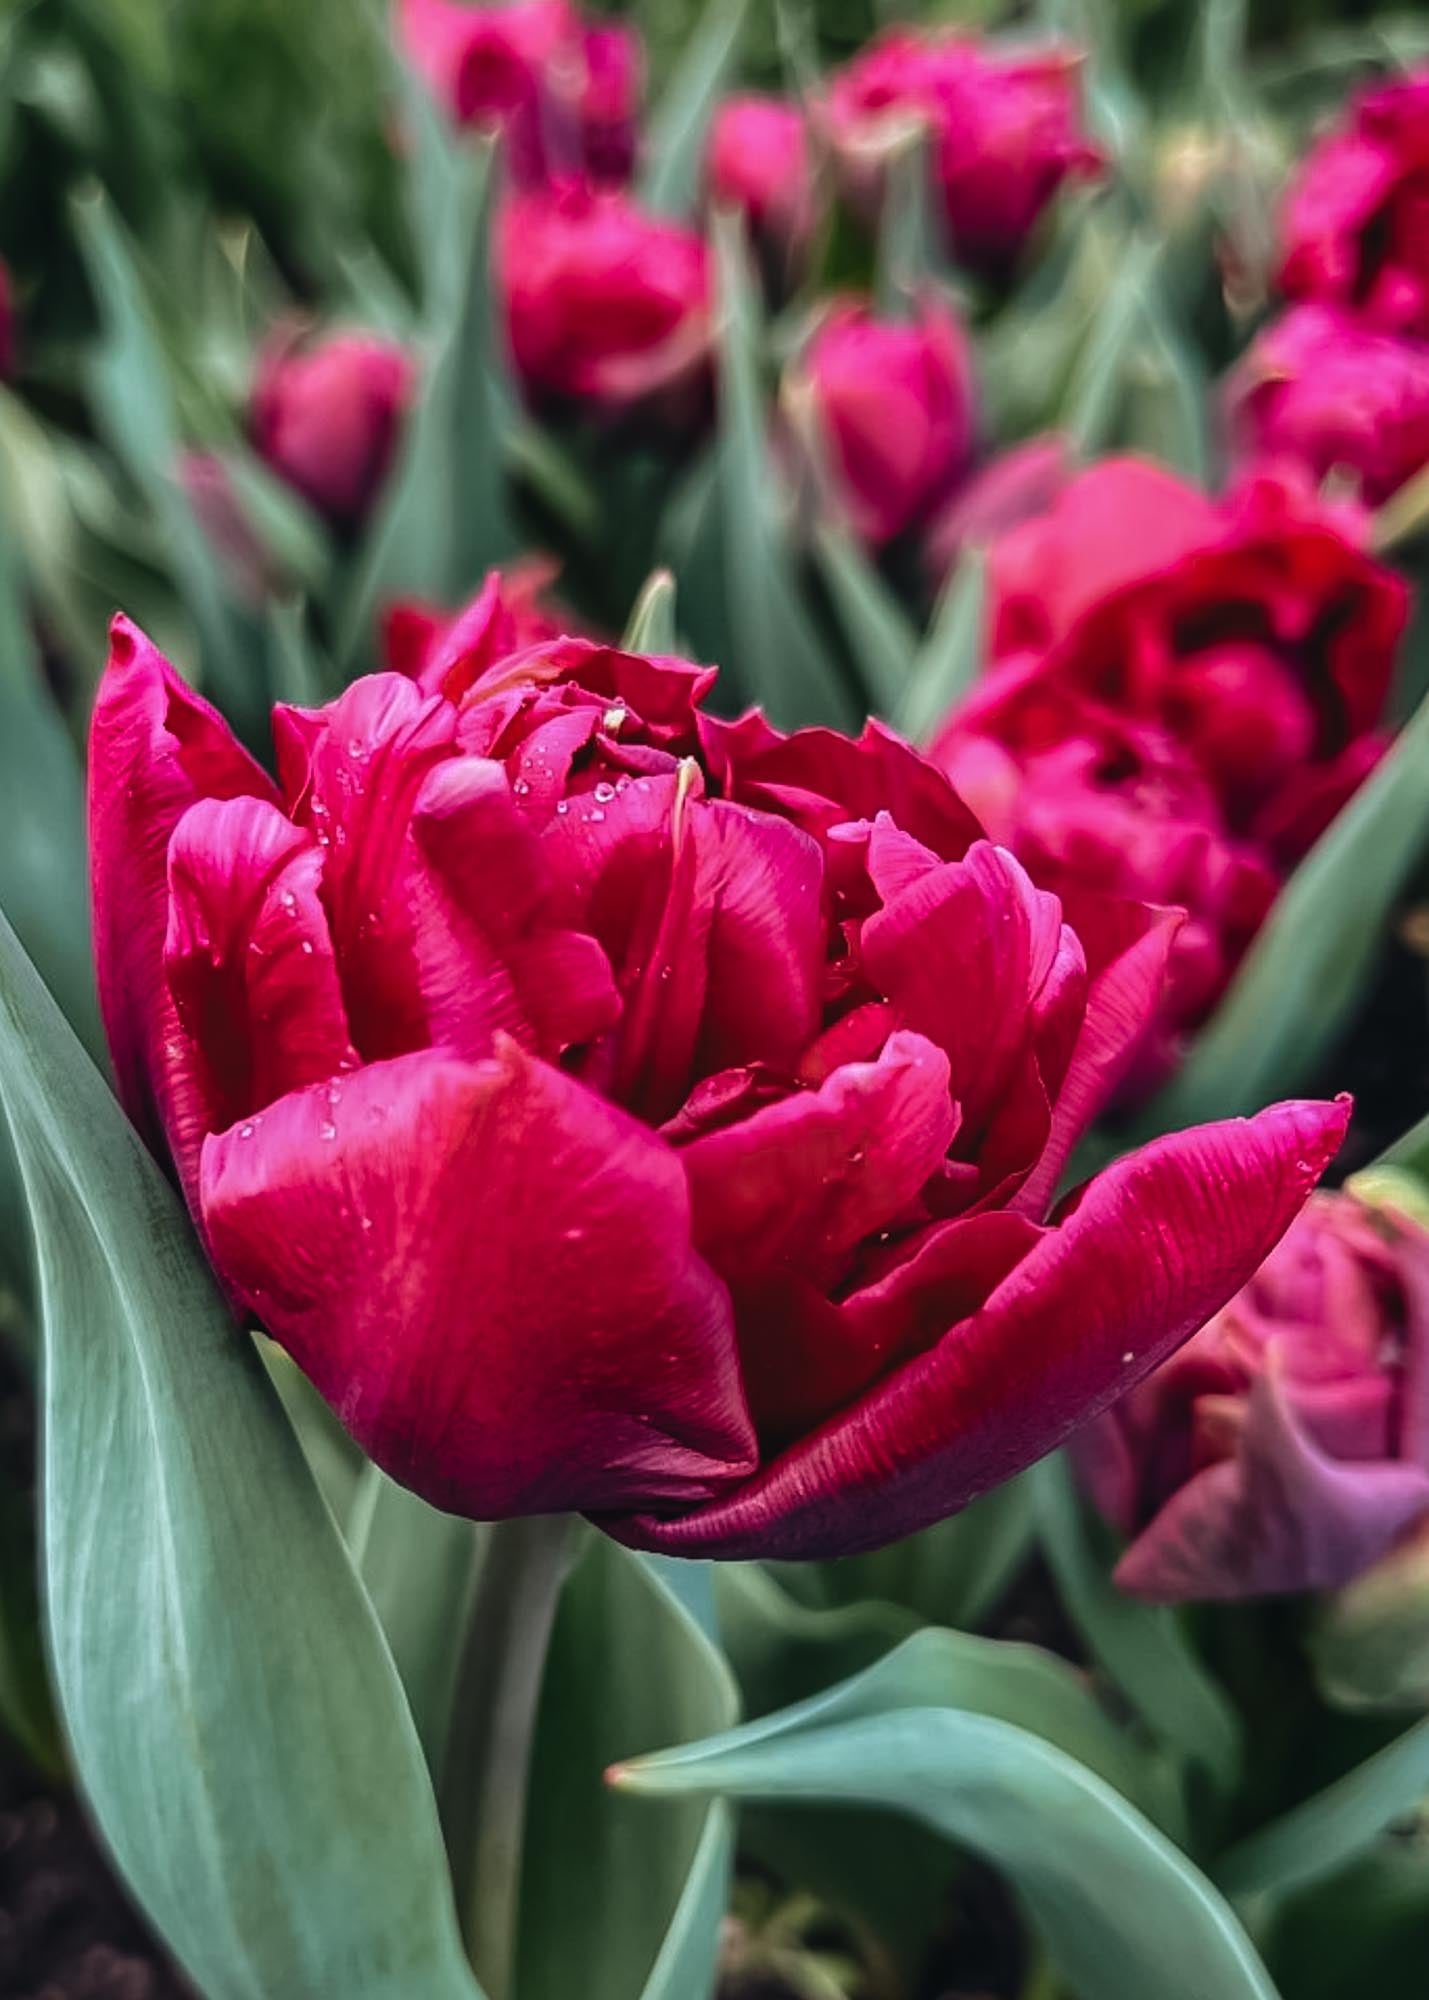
x=327, y=414
x=892, y=407
x=1286, y=1447
x=609, y=309
x=563, y=91
x=1003, y=129
x=1356, y=217
x=1322, y=391
x=614, y=1108
x=1182, y=695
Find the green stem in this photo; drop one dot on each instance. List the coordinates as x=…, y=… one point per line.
x=493, y=1725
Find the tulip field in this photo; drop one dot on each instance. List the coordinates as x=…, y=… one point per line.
x=714, y=1000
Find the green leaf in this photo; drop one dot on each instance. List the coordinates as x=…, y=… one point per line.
x=950, y=1574
x=420, y=1569
x=443, y=518
x=910, y=251
x=1121, y=1910
x=1319, y=1836
x=950, y=658
x=652, y=619
x=44, y=871
x=26, y=1706
x=295, y=673
x=675, y=131
x=620, y=1902
x=1299, y=984
x=880, y=637
x=134, y=408
x=236, y=1721
x=779, y=655
x=1143, y=1647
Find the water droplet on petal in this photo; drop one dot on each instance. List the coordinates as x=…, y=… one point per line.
x=604, y=792
x=563, y=806
x=596, y=816
x=520, y=787
x=245, y=1131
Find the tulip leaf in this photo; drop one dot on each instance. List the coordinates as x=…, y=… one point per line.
x=652, y=619
x=620, y=1902
x=950, y=658
x=1329, y=1829
x=420, y=1570
x=442, y=518
x=134, y=409
x=883, y=642
x=950, y=1574
x=903, y=1735
x=676, y=129
x=295, y=673
x=1299, y=984
x=1142, y=1647
x=779, y=655
x=236, y=1721
x=44, y=872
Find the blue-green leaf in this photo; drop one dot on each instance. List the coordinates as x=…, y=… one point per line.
x=1331, y=1828
x=1121, y=1910
x=1143, y=1647
x=675, y=133
x=779, y=655
x=619, y=1902
x=237, y=1724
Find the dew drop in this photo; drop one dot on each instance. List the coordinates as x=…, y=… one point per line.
x=245, y=1131
x=1130, y=1355
x=327, y=1130
x=563, y=806
x=604, y=792
x=596, y=816
x=613, y=720
x=288, y=900
x=307, y=947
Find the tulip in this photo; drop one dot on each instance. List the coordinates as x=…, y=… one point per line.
x=1326, y=393
x=326, y=417
x=613, y=1108
x=1116, y=808
x=1003, y=128
x=564, y=93
x=892, y=404
x=1256, y=630
x=758, y=163
x=1354, y=223
x=609, y=309
x=1286, y=1447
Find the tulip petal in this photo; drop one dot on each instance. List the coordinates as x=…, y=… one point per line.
x=801, y=1182
x=488, y=1273
x=155, y=749
x=249, y=963
x=965, y=953
x=1149, y=1251
x=351, y=773
x=489, y=958
x=1128, y=947
x=1280, y=1515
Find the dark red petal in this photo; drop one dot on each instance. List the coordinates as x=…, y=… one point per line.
x=1128, y=946
x=351, y=773
x=489, y=956
x=249, y=963
x=801, y=1182
x=1154, y=1246
x=965, y=953
x=155, y=747
x=488, y=1273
